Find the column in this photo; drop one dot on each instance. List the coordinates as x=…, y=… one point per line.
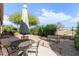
x=1, y=16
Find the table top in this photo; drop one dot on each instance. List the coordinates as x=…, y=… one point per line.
x=25, y=44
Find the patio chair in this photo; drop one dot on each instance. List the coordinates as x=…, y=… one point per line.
x=25, y=37
x=6, y=42
x=4, y=50
x=20, y=53
x=33, y=48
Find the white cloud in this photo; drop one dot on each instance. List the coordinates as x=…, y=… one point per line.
x=75, y=19
x=6, y=21
x=49, y=16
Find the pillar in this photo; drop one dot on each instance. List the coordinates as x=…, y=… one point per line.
x=1, y=16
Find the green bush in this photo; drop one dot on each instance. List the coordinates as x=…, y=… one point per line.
x=36, y=30
x=77, y=41
x=10, y=29
x=44, y=30
x=49, y=29
x=77, y=37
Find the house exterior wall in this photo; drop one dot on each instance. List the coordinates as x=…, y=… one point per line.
x=1, y=16
x=65, y=32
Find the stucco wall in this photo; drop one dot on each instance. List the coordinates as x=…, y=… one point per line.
x=1, y=16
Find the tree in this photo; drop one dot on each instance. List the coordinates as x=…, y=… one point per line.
x=49, y=29
x=77, y=37
x=16, y=19
x=10, y=29
x=35, y=30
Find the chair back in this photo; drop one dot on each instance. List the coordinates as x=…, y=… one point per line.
x=20, y=53
x=38, y=43
x=5, y=51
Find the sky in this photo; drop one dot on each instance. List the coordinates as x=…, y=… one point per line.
x=47, y=13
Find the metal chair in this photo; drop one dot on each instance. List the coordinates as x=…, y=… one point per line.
x=21, y=53
x=4, y=51
x=33, y=48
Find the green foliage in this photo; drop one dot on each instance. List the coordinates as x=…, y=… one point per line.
x=10, y=29
x=77, y=37
x=16, y=19
x=77, y=42
x=77, y=31
x=49, y=29
x=35, y=30
x=32, y=20
x=44, y=30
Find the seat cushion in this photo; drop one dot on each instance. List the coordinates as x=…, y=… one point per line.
x=34, y=44
x=31, y=50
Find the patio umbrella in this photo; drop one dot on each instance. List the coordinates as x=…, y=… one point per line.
x=24, y=26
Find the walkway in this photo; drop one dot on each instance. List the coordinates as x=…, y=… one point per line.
x=43, y=51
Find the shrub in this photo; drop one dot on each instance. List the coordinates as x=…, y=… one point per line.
x=77, y=41
x=36, y=30
x=77, y=37
x=49, y=29
x=10, y=29
x=44, y=30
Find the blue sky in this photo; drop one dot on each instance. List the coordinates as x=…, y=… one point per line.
x=47, y=13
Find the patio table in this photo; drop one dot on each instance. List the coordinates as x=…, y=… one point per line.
x=25, y=44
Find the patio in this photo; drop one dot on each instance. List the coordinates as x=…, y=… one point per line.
x=42, y=50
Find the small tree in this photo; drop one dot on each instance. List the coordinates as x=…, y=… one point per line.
x=16, y=19
x=35, y=30
x=44, y=30
x=10, y=29
x=49, y=29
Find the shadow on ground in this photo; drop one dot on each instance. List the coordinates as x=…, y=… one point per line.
x=11, y=43
x=64, y=47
